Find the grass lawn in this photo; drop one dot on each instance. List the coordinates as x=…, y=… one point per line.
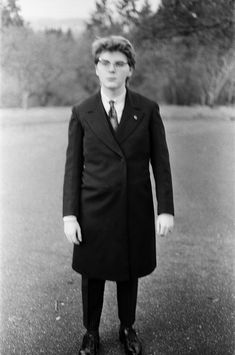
x=185, y=307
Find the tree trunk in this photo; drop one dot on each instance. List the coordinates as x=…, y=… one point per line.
x=231, y=92
x=25, y=99
x=202, y=98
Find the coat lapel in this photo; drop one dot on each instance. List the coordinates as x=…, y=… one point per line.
x=98, y=123
x=131, y=117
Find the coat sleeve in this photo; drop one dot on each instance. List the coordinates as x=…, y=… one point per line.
x=73, y=167
x=161, y=164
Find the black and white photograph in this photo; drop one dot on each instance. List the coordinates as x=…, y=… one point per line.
x=117, y=177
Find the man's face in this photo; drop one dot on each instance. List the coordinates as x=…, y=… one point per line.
x=112, y=70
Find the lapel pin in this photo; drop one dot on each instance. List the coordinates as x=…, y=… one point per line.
x=135, y=117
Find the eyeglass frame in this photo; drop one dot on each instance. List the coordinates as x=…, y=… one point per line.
x=107, y=64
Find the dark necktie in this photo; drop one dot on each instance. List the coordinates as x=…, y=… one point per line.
x=113, y=115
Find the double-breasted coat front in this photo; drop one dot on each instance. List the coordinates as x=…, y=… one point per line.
x=107, y=187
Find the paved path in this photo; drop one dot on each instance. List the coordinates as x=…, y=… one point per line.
x=185, y=307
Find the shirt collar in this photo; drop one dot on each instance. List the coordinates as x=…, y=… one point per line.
x=117, y=100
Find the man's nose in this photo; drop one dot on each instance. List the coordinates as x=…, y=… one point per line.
x=112, y=67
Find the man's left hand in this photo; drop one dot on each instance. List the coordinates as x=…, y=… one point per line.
x=164, y=224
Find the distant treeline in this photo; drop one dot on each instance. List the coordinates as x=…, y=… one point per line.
x=185, y=53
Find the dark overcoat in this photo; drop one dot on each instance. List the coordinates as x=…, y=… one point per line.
x=107, y=186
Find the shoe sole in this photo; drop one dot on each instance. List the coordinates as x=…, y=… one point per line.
x=122, y=340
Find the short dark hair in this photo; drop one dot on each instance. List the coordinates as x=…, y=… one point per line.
x=113, y=44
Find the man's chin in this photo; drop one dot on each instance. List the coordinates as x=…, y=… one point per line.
x=111, y=86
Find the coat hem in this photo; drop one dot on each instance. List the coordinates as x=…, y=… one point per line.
x=109, y=278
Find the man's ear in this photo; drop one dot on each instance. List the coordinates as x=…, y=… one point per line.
x=130, y=72
x=96, y=71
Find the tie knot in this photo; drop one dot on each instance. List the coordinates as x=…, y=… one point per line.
x=111, y=103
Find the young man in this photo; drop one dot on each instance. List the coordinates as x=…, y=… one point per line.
x=107, y=199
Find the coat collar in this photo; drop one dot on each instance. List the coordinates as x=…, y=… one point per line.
x=131, y=117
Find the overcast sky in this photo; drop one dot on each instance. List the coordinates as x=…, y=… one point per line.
x=62, y=8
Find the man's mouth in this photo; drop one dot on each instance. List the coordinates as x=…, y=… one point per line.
x=111, y=79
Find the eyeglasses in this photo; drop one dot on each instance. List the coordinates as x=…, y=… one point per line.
x=107, y=64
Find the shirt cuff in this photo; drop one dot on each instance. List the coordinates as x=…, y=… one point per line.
x=70, y=218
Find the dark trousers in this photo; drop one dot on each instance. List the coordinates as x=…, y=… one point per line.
x=92, y=300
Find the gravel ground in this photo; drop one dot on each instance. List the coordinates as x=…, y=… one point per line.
x=185, y=307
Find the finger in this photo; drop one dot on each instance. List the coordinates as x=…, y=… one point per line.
x=161, y=230
x=74, y=238
x=71, y=236
x=77, y=238
x=165, y=231
x=158, y=227
x=75, y=241
x=66, y=232
x=79, y=235
x=68, y=236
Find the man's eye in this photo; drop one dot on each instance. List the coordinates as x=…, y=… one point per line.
x=120, y=64
x=105, y=62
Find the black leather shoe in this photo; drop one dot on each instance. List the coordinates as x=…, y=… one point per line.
x=132, y=344
x=90, y=344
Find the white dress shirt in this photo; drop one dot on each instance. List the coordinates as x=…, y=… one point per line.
x=119, y=103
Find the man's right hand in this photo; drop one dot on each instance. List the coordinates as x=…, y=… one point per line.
x=72, y=231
